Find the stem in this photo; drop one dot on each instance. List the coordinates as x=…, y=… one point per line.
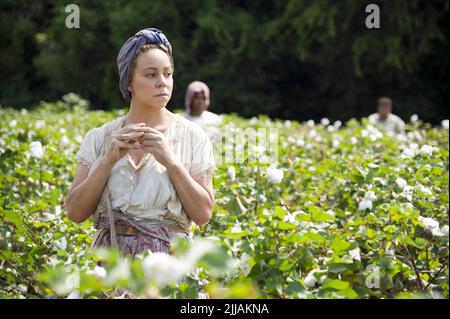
x=437, y=274
x=415, y=269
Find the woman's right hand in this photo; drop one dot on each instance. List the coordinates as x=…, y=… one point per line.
x=123, y=140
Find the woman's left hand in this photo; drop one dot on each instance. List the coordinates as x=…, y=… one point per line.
x=155, y=142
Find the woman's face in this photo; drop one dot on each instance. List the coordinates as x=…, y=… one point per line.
x=198, y=104
x=152, y=80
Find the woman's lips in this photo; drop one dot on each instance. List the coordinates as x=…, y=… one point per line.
x=162, y=94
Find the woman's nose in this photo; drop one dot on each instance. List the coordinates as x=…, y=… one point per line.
x=162, y=81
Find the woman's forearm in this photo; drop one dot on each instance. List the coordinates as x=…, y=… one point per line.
x=82, y=201
x=196, y=201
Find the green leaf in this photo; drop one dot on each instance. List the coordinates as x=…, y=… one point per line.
x=339, y=245
x=335, y=284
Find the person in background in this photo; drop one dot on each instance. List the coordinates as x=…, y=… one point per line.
x=384, y=118
x=196, y=103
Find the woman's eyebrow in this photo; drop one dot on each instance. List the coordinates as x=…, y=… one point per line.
x=153, y=68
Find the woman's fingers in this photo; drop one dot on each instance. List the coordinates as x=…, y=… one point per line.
x=122, y=144
x=150, y=143
x=127, y=137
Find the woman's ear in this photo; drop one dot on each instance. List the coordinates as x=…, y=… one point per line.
x=130, y=88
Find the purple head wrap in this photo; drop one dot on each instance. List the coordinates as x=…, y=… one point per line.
x=129, y=49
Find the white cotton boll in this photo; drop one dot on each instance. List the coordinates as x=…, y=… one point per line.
x=312, y=133
x=308, y=146
x=336, y=143
x=374, y=135
x=61, y=244
x=365, y=204
x=39, y=124
x=163, y=268
x=274, y=175
x=408, y=153
x=287, y=123
x=426, y=149
x=310, y=123
x=324, y=121
x=318, y=139
x=330, y=128
x=13, y=123
x=355, y=253
x=79, y=138
x=259, y=149
x=407, y=192
x=231, y=173
x=62, y=130
x=290, y=217
x=353, y=140
x=364, y=133
x=64, y=141
x=424, y=189
x=198, y=249
x=100, y=272
x=429, y=224
x=401, y=137
x=444, y=230
x=253, y=121
x=401, y=182
x=337, y=124
x=74, y=295
x=370, y=195
x=331, y=212
x=262, y=198
x=300, y=142
x=36, y=149
x=236, y=229
x=291, y=139
x=444, y=124
x=310, y=281
x=414, y=118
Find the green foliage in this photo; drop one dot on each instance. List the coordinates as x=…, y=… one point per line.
x=303, y=237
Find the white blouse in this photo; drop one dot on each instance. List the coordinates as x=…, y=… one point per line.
x=145, y=191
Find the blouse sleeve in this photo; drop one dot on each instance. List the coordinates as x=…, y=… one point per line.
x=202, y=162
x=87, y=151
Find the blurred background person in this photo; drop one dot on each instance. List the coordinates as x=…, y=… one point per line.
x=196, y=103
x=384, y=117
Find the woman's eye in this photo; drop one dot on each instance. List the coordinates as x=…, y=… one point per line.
x=168, y=74
x=150, y=75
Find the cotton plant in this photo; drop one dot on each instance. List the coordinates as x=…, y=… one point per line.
x=36, y=149
x=432, y=226
x=367, y=201
x=274, y=175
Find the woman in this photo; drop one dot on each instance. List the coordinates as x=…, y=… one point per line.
x=196, y=103
x=146, y=175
